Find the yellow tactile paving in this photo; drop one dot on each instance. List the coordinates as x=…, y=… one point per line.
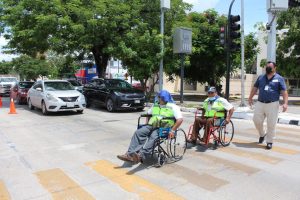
x=252, y=155
x=4, y=195
x=275, y=148
x=130, y=182
x=61, y=186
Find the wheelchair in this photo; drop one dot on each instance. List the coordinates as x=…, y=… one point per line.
x=165, y=148
x=219, y=132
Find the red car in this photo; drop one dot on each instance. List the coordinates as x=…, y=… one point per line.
x=19, y=91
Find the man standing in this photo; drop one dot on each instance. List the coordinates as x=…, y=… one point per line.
x=269, y=85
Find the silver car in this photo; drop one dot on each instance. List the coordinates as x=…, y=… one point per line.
x=55, y=96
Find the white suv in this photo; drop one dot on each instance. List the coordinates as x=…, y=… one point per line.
x=55, y=96
x=6, y=83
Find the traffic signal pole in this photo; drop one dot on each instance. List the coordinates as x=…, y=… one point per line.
x=228, y=63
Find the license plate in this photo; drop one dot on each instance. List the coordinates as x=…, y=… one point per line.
x=137, y=101
x=70, y=105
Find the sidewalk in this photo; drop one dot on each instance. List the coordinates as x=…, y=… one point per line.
x=291, y=116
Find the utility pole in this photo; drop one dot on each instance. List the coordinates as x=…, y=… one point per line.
x=242, y=57
x=164, y=5
x=273, y=8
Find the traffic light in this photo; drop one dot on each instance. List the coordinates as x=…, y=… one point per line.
x=222, y=35
x=234, y=32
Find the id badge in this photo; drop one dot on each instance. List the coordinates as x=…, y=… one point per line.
x=209, y=106
x=266, y=87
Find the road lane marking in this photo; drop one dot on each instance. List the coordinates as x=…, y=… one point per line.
x=4, y=195
x=229, y=164
x=244, y=143
x=251, y=155
x=130, y=182
x=202, y=180
x=61, y=186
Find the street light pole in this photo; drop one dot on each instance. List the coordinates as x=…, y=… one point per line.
x=164, y=5
x=242, y=56
x=161, y=65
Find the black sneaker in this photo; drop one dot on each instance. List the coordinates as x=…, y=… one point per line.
x=269, y=146
x=261, y=139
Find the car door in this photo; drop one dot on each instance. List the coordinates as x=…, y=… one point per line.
x=35, y=95
x=101, y=92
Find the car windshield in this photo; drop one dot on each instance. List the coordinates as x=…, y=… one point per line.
x=25, y=84
x=12, y=79
x=51, y=86
x=115, y=83
x=74, y=82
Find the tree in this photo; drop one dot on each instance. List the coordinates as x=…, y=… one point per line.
x=288, y=51
x=140, y=48
x=5, y=67
x=207, y=62
x=251, y=51
x=67, y=27
x=31, y=68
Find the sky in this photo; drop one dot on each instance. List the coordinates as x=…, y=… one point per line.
x=254, y=11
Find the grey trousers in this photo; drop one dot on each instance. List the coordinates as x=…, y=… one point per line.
x=142, y=141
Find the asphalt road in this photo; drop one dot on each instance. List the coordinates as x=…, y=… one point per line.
x=73, y=156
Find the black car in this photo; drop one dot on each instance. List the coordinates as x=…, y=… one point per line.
x=114, y=94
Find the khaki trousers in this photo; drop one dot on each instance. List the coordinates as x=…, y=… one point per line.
x=263, y=111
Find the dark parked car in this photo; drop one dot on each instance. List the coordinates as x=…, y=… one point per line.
x=19, y=91
x=114, y=94
x=77, y=85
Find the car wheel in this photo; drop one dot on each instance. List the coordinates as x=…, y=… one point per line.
x=44, y=108
x=79, y=111
x=30, y=106
x=18, y=100
x=88, y=103
x=110, y=105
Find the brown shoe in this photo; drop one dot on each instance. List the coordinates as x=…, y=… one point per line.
x=136, y=158
x=191, y=141
x=125, y=157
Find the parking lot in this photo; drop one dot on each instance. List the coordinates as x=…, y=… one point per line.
x=73, y=156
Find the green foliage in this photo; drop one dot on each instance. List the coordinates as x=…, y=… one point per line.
x=207, y=62
x=251, y=50
x=5, y=67
x=31, y=68
x=288, y=51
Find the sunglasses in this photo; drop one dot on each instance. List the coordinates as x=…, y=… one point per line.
x=210, y=92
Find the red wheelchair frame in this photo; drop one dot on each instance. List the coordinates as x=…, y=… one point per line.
x=221, y=132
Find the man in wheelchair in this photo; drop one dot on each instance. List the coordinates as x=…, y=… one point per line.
x=213, y=106
x=143, y=140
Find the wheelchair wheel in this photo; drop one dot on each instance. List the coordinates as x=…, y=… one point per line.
x=161, y=160
x=226, y=133
x=177, y=145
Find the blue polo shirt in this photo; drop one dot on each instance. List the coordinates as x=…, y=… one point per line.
x=269, y=89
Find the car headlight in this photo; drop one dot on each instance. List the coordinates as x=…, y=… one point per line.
x=81, y=97
x=120, y=94
x=50, y=97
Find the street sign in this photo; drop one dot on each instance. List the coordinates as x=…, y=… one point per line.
x=182, y=41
